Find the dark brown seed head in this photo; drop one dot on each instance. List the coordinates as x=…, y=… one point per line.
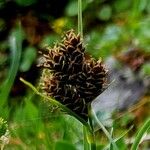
x=75, y=79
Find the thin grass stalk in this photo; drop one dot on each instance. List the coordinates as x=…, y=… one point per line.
x=80, y=24
x=85, y=140
x=93, y=142
x=121, y=136
x=111, y=133
x=140, y=134
x=90, y=138
x=106, y=132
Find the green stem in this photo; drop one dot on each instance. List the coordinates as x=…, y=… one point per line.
x=80, y=25
x=2, y=147
x=140, y=134
x=93, y=142
x=89, y=138
x=85, y=141
x=106, y=132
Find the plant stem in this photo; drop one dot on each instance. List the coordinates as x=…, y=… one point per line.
x=85, y=140
x=106, y=132
x=92, y=135
x=140, y=134
x=89, y=138
x=80, y=25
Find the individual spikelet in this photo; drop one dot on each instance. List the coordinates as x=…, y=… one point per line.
x=75, y=79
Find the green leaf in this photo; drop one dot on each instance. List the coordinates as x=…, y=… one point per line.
x=100, y=147
x=26, y=112
x=138, y=7
x=148, y=7
x=2, y=24
x=3, y=127
x=29, y=57
x=15, y=43
x=63, y=145
x=25, y=2
x=122, y=5
x=72, y=8
x=48, y=40
x=140, y=134
x=146, y=69
x=121, y=144
x=105, y=13
x=70, y=129
x=31, y=110
x=111, y=140
x=2, y=3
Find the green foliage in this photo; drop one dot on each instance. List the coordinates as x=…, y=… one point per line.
x=25, y=2
x=105, y=13
x=146, y=69
x=104, y=41
x=2, y=24
x=48, y=40
x=3, y=127
x=122, y=5
x=143, y=130
x=62, y=145
x=121, y=144
x=29, y=56
x=15, y=42
x=72, y=8
x=2, y=3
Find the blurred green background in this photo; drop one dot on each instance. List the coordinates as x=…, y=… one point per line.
x=110, y=28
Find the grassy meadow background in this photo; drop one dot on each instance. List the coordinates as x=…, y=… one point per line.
x=110, y=28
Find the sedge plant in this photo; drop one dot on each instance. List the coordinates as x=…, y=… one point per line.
x=72, y=79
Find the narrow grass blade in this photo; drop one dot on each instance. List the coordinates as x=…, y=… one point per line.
x=15, y=44
x=140, y=134
x=85, y=141
x=105, y=131
x=119, y=138
x=80, y=25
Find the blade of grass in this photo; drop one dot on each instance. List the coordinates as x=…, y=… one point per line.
x=111, y=133
x=105, y=131
x=15, y=43
x=54, y=102
x=117, y=139
x=93, y=142
x=80, y=25
x=85, y=140
x=136, y=11
x=140, y=134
